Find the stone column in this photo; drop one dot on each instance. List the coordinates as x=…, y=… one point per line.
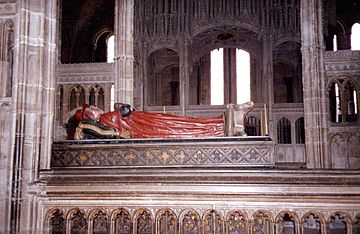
x=185, y=71
x=124, y=51
x=107, y=97
x=268, y=88
x=315, y=111
x=140, y=89
x=230, y=95
x=34, y=93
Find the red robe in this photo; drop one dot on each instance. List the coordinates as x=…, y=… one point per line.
x=157, y=125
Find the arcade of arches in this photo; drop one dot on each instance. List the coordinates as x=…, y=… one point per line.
x=297, y=171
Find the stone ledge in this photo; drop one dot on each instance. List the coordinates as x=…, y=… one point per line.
x=201, y=176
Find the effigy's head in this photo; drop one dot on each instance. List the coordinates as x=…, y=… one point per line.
x=125, y=109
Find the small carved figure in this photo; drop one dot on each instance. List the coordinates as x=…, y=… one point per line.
x=235, y=118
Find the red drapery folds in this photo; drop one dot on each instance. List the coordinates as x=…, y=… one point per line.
x=141, y=124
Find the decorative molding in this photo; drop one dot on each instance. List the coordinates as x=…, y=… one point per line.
x=342, y=55
x=226, y=152
x=342, y=67
x=198, y=219
x=85, y=73
x=81, y=67
x=342, y=62
x=91, y=78
x=7, y=8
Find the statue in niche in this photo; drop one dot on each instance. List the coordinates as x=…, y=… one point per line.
x=125, y=122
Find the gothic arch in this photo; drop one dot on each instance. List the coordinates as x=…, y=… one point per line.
x=189, y=221
x=340, y=26
x=77, y=218
x=237, y=222
x=343, y=92
x=166, y=221
x=287, y=214
x=6, y=57
x=314, y=217
x=262, y=220
x=158, y=47
x=338, y=217
x=342, y=32
x=225, y=36
x=99, y=221
x=79, y=90
x=121, y=220
x=144, y=221
x=55, y=221
x=225, y=24
x=103, y=30
x=7, y=28
x=163, y=79
x=96, y=95
x=213, y=222
x=284, y=131
x=99, y=53
x=291, y=38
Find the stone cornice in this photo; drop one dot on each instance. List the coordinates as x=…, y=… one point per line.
x=342, y=55
x=342, y=62
x=85, y=73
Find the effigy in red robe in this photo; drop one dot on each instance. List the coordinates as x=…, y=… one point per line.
x=140, y=124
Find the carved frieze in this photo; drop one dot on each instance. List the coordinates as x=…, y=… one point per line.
x=342, y=63
x=203, y=221
x=229, y=152
x=85, y=73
